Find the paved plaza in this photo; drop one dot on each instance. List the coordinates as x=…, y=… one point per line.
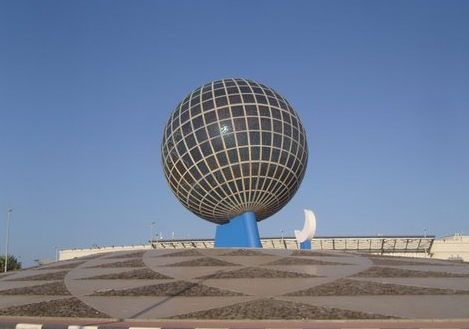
x=238, y=285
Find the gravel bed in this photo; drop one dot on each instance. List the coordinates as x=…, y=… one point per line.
x=387, y=272
x=394, y=262
x=307, y=253
x=6, y=275
x=414, y=261
x=272, y=309
x=137, y=254
x=245, y=252
x=347, y=287
x=141, y=274
x=184, y=253
x=59, y=266
x=129, y=263
x=48, y=289
x=93, y=256
x=301, y=261
x=256, y=272
x=69, y=307
x=42, y=277
x=177, y=288
x=206, y=261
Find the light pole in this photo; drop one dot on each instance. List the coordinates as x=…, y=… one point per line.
x=8, y=238
x=151, y=234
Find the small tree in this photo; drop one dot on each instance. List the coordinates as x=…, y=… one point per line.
x=13, y=263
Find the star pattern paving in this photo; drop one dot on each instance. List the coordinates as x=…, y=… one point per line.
x=237, y=284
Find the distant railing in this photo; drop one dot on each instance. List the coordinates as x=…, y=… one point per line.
x=372, y=244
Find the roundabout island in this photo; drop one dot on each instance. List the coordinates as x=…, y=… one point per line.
x=236, y=284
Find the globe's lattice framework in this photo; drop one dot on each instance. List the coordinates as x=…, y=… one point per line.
x=234, y=146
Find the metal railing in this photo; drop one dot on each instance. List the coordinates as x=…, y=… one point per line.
x=372, y=244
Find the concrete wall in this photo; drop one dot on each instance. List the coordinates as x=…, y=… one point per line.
x=74, y=253
x=454, y=247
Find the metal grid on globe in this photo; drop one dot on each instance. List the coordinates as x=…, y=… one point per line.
x=233, y=146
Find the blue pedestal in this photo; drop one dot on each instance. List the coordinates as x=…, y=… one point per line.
x=240, y=231
x=305, y=245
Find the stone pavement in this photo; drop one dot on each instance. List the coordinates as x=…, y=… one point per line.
x=177, y=287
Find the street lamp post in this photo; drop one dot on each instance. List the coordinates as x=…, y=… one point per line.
x=151, y=234
x=7, y=239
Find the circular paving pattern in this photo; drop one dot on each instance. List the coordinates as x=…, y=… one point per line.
x=238, y=284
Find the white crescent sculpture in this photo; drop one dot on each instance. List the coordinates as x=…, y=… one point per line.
x=309, y=229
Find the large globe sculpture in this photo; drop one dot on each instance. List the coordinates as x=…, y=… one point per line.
x=234, y=146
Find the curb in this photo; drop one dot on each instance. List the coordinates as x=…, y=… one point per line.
x=410, y=324
x=58, y=326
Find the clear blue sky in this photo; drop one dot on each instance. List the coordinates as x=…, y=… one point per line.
x=86, y=88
